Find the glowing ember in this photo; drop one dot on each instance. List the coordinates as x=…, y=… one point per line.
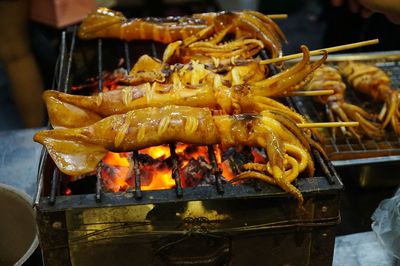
x=117, y=159
x=161, y=179
x=68, y=191
x=157, y=152
x=115, y=178
x=155, y=168
x=258, y=156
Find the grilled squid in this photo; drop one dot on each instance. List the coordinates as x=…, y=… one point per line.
x=337, y=109
x=252, y=30
x=200, y=90
x=375, y=83
x=77, y=151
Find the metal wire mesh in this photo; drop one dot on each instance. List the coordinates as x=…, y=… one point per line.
x=345, y=147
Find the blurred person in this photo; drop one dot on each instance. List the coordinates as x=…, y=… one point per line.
x=349, y=21
x=390, y=8
x=20, y=65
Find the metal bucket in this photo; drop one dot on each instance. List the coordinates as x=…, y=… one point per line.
x=18, y=231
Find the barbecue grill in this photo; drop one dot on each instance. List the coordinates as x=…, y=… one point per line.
x=216, y=224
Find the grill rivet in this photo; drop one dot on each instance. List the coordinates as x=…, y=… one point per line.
x=324, y=209
x=57, y=225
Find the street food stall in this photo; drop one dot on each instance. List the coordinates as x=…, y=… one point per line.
x=194, y=140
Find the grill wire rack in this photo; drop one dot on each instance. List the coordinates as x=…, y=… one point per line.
x=346, y=150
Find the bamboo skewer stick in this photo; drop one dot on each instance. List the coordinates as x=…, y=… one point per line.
x=328, y=124
x=310, y=93
x=278, y=16
x=321, y=51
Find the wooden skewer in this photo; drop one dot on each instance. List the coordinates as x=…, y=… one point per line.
x=321, y=51
x=310, y=93
x=382, y=112
x=328, y=124
x=278, y=16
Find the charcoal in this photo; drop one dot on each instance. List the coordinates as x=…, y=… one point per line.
x=211, y=179
x=145, y=158
x=194, y=173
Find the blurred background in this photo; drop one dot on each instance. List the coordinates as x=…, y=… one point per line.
x=30, y=39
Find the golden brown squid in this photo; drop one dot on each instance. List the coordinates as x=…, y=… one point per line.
x=329, y=78
x=374, y=82
x=211, y=93
x=209, y=27
x=77, y=151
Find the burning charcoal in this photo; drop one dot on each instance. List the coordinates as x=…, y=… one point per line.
x=211, y=179
x=154, y=172
x=193, y=173
x=145, y=158
x=204, y=163
x=259, y=155
x=240, y=157
x=228, y=154
x=115, y=178
x=237, y=159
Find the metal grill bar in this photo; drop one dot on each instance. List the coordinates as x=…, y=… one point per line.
x=62, y=58
x=216, y=171
x=100, y=88
x=54, y=185
x=42, y=162
x=69, y=63
x=136, y=174
x=127, y=57
x=43, y=156
x=324, y=166
x=63, y=80
x=134, y=154
x=175, y=170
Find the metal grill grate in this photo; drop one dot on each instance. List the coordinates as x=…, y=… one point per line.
x=96, y=61
x=348, y=148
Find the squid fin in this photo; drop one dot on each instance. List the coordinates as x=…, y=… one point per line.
x=66, y=115
x=73, y=157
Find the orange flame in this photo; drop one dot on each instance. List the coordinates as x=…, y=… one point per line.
x=157, y=174
x=161, y=179
x=117, y=159
x=157, y=152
